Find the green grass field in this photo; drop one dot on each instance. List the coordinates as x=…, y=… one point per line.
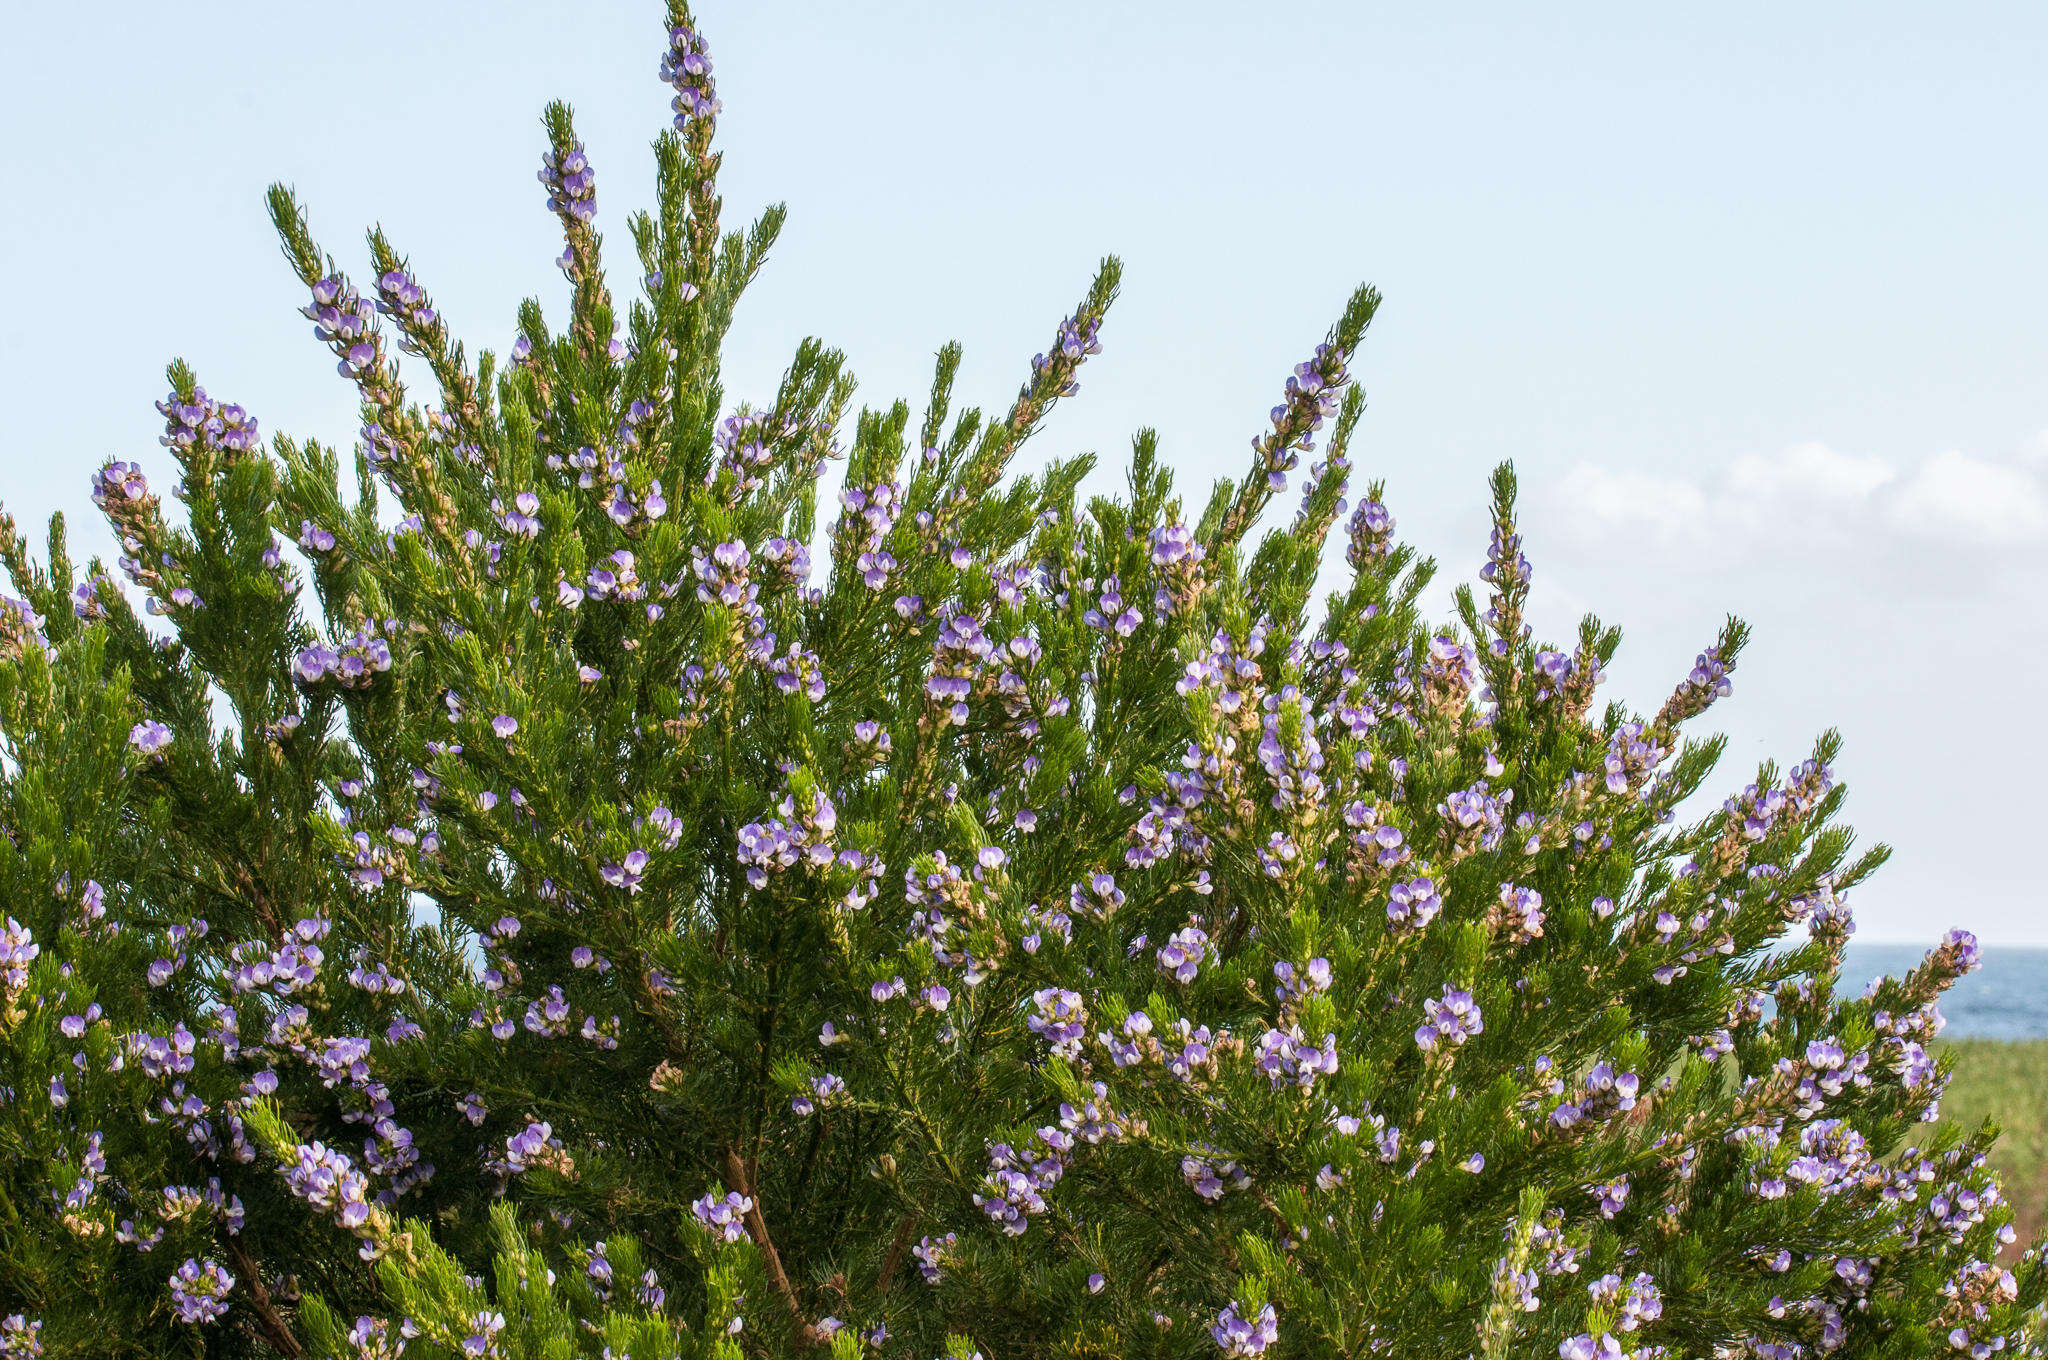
x=2007, y=1082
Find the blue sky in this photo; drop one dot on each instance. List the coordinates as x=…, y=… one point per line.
x=1752, y=294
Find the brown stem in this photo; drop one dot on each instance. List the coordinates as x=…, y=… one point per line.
x=257, y=898
x=736, y=1174
x=274, y=1330
x=904, y=1227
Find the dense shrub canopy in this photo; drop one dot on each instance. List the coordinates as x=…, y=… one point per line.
x=512, y=901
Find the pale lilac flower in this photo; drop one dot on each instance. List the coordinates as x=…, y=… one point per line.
x=199, y=1291
x=1240, y=1337
x=1450, y=1019
x=725, y=1217
x=20, y=1337
x=149, y=737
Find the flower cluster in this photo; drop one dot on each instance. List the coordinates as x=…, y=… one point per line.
x=1313, y=394
x=1414, y=904
x=1371, y=533
x=1240, y=1337
x=1289, y=1060
x=536, y=1146
x=871, y=509
x=353, y=662
x=199, y=1291
x=1450, y=1019
x=347, y=325
x=1059, y=1018
x=571, y=182
x=198, y=422
x=18, y=949
x=1604, y=1093
x=958, y=654
x=1181, y=956
x=1052, y=374
x=404, y=301
x=1013, y=1191
x=21, y=1337
x=930, y=1253
x=1210, y=1175
x=727, y=1217
x=722, y=575
x=1634, y=1302
x=150, y=737
x=747, y=446
x=687, y=66
x=793, y=837
x=328, y=1180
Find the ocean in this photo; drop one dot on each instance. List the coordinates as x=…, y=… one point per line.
x=2007, y=998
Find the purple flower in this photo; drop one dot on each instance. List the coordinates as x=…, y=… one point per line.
x=328, y=1180
x=402, y=299
x=1289, y=1060
x=628, y=872
x=149, y=737
x=1611, y=1196
x=1710, y=673
x=1012, y=1193
x=1637, y=1301
x=1450, y=1019
x=725, y=1217
x=1413, y=905
x=20, y=1338
x=930, y=1255
x=1061, y=1020
x=372, y=1340
x=484, y=1340
x=534, y=1145
x=347, y=324
x=199, y=1291
x=18, y=950
x=571, y=182
x=1236, y=1336
x=1052, y=374
x=203, y=423
x=1585, y=1347
x=687, y=66
x=1175, y=545
x=1183, y=952
x=1312, y=395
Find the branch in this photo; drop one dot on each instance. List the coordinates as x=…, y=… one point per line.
x=274, y=1329
x=736, y=1174
x=904, y=1227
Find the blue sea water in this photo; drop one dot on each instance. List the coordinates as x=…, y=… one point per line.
x=2007, y=998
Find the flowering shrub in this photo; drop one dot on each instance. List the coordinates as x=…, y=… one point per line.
x=515, y=903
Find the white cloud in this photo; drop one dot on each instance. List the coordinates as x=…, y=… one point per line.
x=1810, y=497
x=1810, y=472
x=1955, y=495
